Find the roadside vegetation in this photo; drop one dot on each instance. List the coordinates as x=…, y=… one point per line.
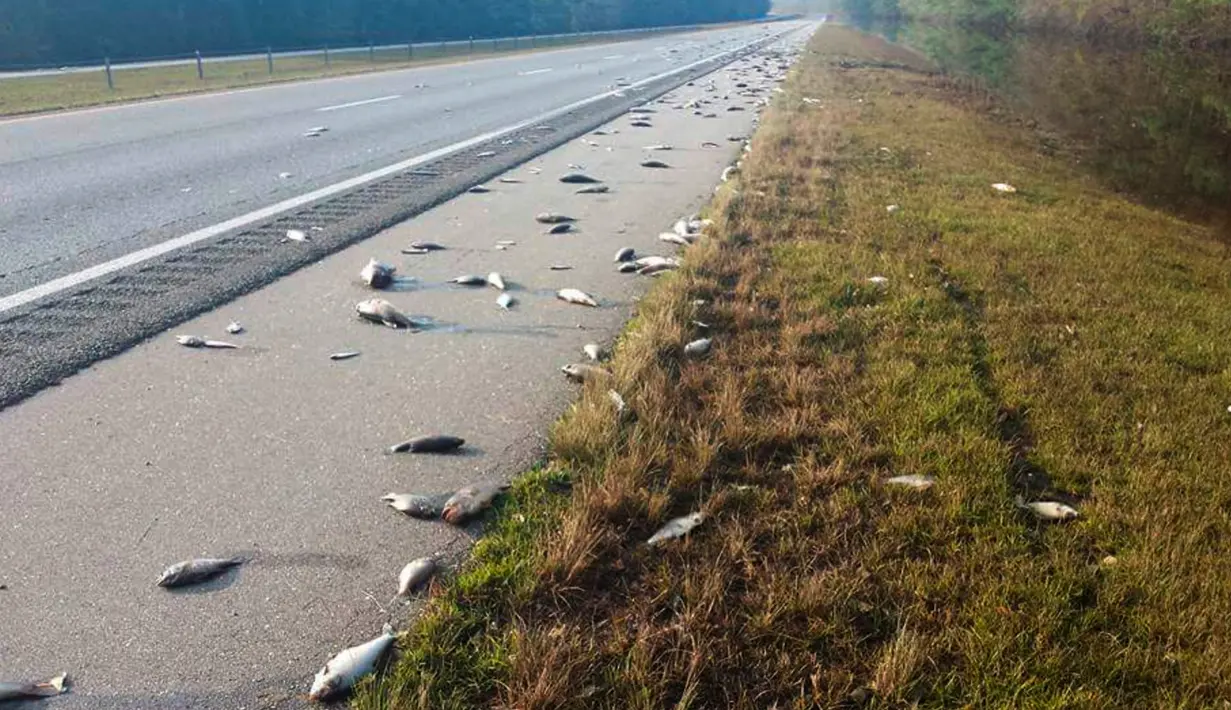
x=1058, y=342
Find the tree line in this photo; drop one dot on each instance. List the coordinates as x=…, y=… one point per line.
x=50, y=32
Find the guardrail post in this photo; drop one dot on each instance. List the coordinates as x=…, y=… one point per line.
x=471, y=50
x=200, y=66
x=107, y=66
x=326, y=56
x=371, y=52
x=410, y=50
x=269, y=59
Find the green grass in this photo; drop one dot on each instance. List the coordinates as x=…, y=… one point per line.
x=1057, y=343
x=81, y=89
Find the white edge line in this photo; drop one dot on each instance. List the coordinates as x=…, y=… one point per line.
x=365, y=102
x=533, y=72
x=43, y=290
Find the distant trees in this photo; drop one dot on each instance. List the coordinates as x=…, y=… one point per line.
x=65, y=31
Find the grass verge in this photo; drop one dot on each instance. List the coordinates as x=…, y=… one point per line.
x=81, y=89
x=1056, y=343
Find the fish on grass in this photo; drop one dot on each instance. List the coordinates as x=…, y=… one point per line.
x=552, y=218
x=916, y=481
x=1048, y=510
x=377, y=274
x=470, y=501
x=574, y=295
x=378, y=310
x=36, y=689
x=673, y=238
x=1003, y=187
x=654, y=164
x=676, y=528
x=414, y=575
x=425, y=507
x=698, y=347
x=430, y=444
x=195, y=341
x=344, y=670
x=578, y=179
x=495, y=280
x=578, y=372
x=189, y=572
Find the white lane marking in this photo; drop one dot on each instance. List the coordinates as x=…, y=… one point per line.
x=532, y=72
x=614, y=56
x=54, y=286
x=365, y=102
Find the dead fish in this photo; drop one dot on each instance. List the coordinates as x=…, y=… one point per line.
x=182, y=574
x=506, y=243
x=319, y=129
x=377, y=275
x=578, y=179
x=729, y=171
x=234, y=328
x=1047, y=510
x=654, y=164
x=878, y=280
x=559, y=267
x=468, y=502
x=657, y=267
x=641, y=110
x=344, y=355
x=479, y=190
x=296, y=235
x=506, y=301
x=581, y=373
x=426, y=246
x=626, y=254
x=678, y=527
x=618, y=400
x=43, y=689
x=573, y=295
x=735, y=108
x=654, y=260
x=1003, y=187
x=628, y=267
x=485, y=154
x=709, y=144
x=415, y=575
x=381, y=311
x=659, y=146
x=552, y=218
x=600, y=132
x=917, y=481
x=193, y=341
x=674, y=238
x=430, y=444
x=593, y=190
x=508, y=180
x=424, y=507
x=641, y=124
x=344, y=670
x=592, y=351
x=469, y=280
x=563, y=228
x=496, y=280
x=698, y=347
x=413, y=250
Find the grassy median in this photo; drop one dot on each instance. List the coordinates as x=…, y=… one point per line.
x=1057, y=343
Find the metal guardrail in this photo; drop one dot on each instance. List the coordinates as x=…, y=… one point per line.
x=372, y=53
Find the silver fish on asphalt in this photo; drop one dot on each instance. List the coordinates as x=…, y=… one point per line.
x=593, y=351
x=641, y=124
x=479, y=190
x=1048, y=510
x=578, y=179
x=427, y=507
x=917, y=481
x=628, y=267
x=345, y=355
x=296, y=235
x=654, y=164
x=468, y=502
x=659, y=146
x=581, y=373
x=195, y=341
x=376, y=274
x=494, y=279
x=560, y=267
x=234, y=328
x=698, y=347
x=182, y=574
x=573, y=295
x=563, y=228
x=415, y=575
x=552, y=218
x=618, y=400
x=378, y=310
x=426, y=246
x=469, y=280
x=678, y=527
x=626, y=254
x=344, y=670
x=593, y=190
x=38, y=689
x=429, y=444
x=673, y=238
x=506, y=301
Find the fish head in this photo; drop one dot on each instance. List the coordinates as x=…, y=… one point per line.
x=324, y=685
x=171, y=575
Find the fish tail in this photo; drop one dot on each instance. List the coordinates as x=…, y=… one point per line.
x=47, y=689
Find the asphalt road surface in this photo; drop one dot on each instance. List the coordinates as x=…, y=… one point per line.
x=274, y=451
x=83, y=187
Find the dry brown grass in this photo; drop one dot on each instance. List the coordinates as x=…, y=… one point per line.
x=1060, y=342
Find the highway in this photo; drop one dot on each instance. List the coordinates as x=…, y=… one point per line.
x=83, y=187
x=273, y=451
